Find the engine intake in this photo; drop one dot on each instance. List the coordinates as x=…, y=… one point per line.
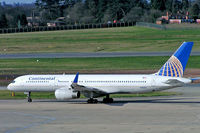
x=66, y=93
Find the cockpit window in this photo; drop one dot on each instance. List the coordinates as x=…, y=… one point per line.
x=13, y=81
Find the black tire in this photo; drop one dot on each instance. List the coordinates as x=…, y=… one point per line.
x=107, y=100
x=91, y=100
x=88, y=101
x=29, y=100
x=111, y=100
x=95, y=101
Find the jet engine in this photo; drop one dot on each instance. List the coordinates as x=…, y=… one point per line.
x=66, y=93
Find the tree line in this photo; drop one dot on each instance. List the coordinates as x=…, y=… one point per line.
x=95, y=11
x=12, y=15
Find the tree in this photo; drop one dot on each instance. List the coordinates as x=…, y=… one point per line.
x=52, y=9
x=78, y=14
x=168, y=5
x=176, y=6
x=18, y=21
x=87, y=17
x=195, y=11
x=185, y=5
x=151, y=15
x=23, y=20
x=134, y=15
x=119, y=8
x=3, y=21
x=11, y=12
x=158, y=4
x=108, y=10
x=75, y=13
x=91, y=5
x=197, y=2
x=107, y=16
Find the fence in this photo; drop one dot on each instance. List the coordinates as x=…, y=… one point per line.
x=151, y=25
x=66, y=27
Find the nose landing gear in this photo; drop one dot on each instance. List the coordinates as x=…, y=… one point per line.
x=28, y=96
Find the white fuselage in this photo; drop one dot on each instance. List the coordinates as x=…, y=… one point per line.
x=123, y=83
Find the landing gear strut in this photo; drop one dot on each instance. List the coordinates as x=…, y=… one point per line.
x=29, y=97
x=91, y=100
x=107, y=99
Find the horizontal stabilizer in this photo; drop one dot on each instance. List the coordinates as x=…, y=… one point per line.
x=194, y=79
x=174, y=82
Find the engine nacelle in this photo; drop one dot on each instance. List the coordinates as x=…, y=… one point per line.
x=66, y=93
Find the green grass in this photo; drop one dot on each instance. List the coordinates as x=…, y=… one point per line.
x=85, y=65
x=5, y=94
x=98, y=40
x=182, y=26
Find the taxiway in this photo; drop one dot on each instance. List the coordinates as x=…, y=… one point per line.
x=180, y=114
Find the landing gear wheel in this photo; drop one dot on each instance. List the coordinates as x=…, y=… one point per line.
x=111, y=100
x=29, y=100
x=107, y=100
x=95, y=101
x=29, y=97
x=91, y=100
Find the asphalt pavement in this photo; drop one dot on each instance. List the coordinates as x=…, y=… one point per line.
x=168, y=114
x=84, y=55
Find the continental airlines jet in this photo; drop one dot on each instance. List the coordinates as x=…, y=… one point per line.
x=96, y=85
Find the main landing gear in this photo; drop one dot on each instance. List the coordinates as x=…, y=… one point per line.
x=91, y=100
x=29, y=97
x=107, y=99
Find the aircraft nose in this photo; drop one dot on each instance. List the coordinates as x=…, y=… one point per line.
x=10, y=87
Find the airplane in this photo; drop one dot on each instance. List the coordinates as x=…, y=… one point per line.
x=92, y=86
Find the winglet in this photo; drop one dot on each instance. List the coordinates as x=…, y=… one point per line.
x=76, y=78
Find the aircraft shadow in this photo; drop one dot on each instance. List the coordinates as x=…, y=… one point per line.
x=121, y=102
x=163, y=101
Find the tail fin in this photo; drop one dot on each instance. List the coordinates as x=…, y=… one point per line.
x=176, y=64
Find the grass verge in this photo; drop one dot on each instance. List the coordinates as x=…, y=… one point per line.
x=5, y=94
x=84, y=65
x=99, y=40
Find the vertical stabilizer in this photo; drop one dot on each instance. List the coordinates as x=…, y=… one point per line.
x=176, y=64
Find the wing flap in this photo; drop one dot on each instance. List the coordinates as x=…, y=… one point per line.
x=82, y=88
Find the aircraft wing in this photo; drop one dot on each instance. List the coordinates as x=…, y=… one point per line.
x=174, y=82
x=82, y=88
